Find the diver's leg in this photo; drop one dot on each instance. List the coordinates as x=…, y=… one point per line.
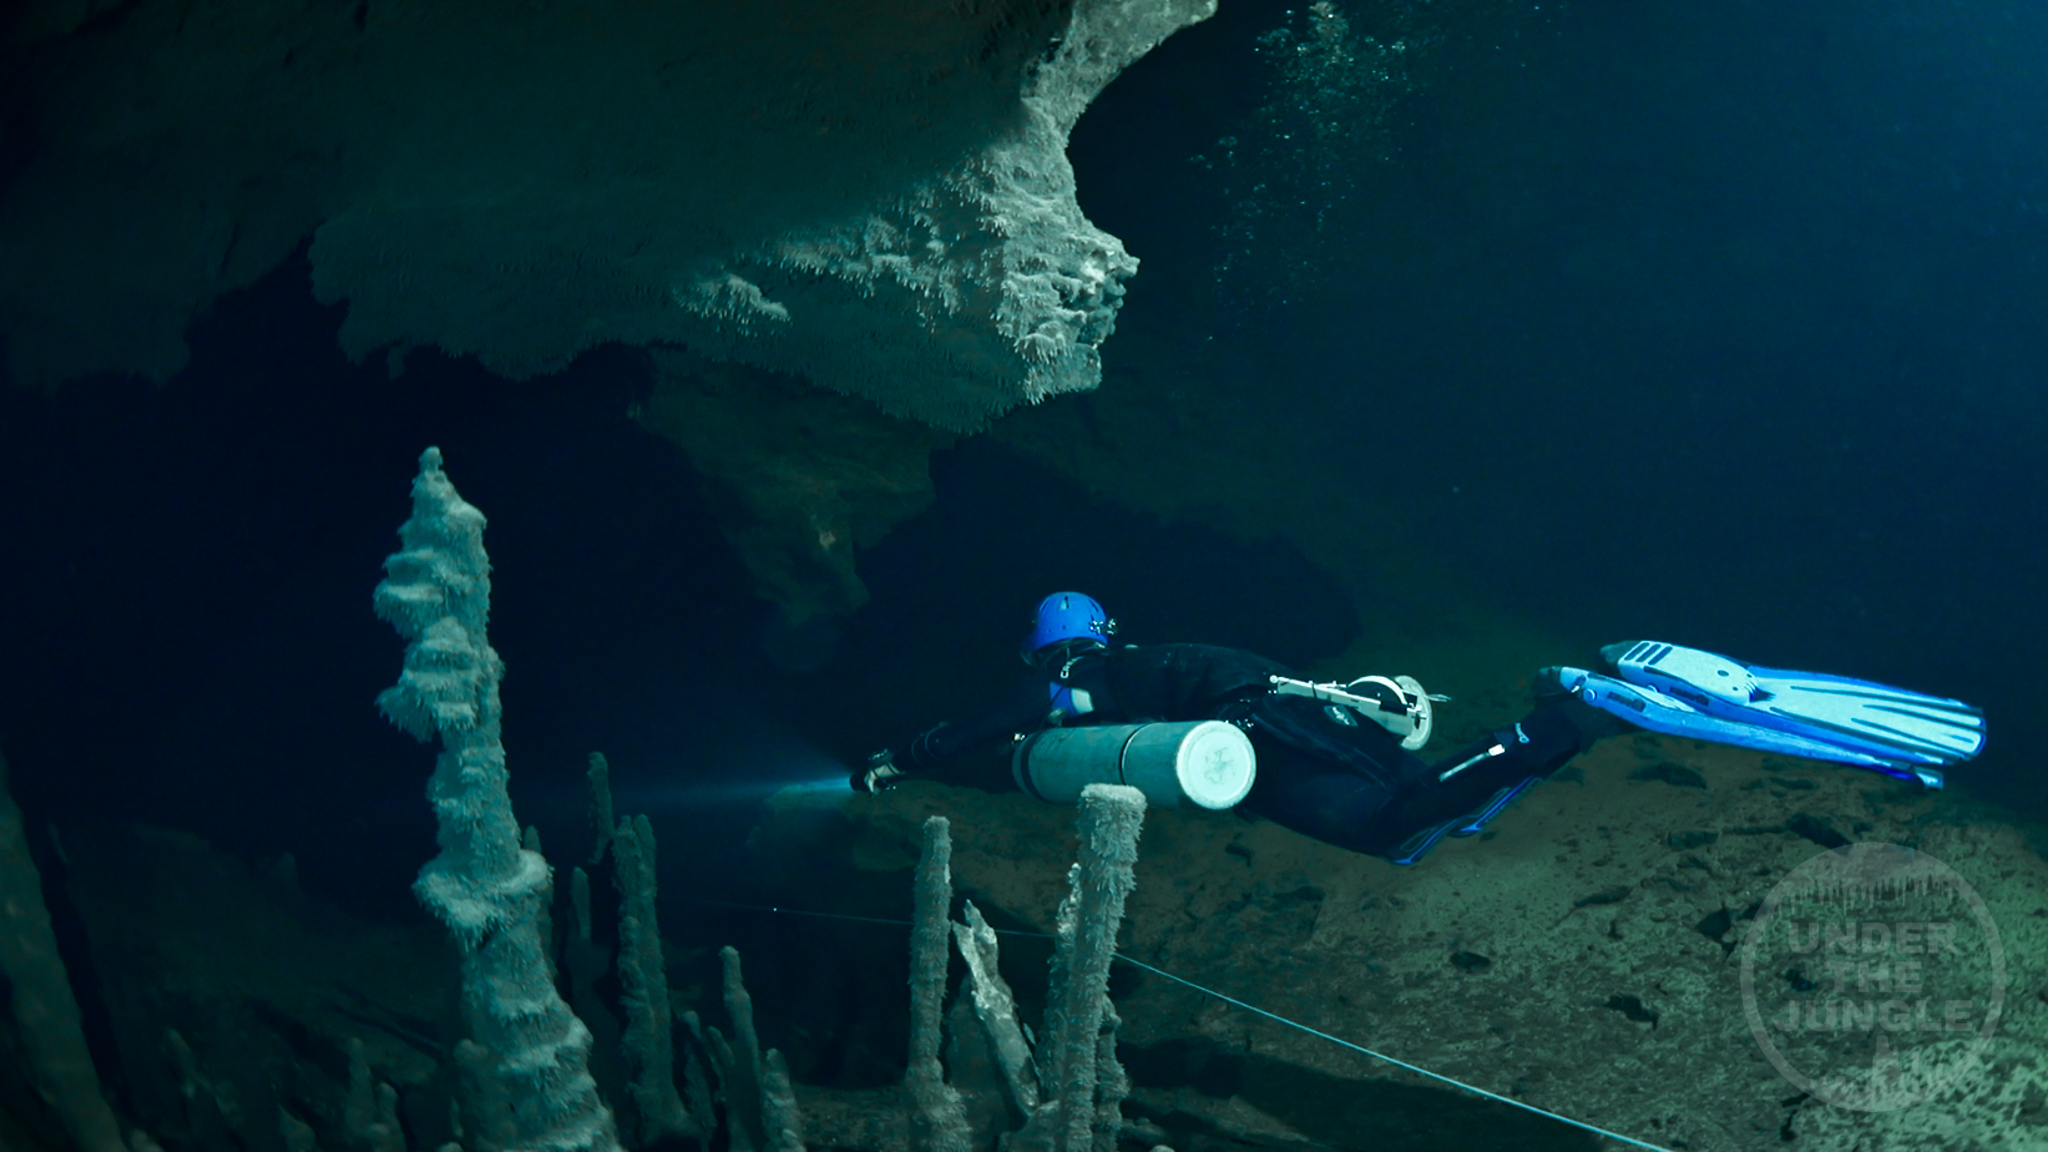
x=1315, y=797
x=1460, y=794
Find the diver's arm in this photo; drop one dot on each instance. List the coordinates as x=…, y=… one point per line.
x=931, y=752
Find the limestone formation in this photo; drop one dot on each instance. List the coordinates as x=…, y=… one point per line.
x=873, y=194
x=799, y=478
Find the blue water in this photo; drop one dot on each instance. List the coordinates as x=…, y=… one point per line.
x=1719, y=323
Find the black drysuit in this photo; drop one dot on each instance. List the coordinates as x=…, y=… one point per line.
x=1321, y=771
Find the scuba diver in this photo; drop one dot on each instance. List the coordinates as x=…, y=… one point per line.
x=1338, y=763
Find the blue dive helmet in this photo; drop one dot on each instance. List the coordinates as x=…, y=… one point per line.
x=1068, y=616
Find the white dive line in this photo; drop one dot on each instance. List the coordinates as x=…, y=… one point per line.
x=1252, y=1008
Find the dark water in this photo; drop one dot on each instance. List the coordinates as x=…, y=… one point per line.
x=1723, y=324
x=1720, y=324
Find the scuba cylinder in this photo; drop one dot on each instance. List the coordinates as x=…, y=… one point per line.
x=1206, y=763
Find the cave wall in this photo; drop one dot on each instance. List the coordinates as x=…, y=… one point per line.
x=871, y=194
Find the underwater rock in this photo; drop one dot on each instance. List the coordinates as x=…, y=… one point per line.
x=799, y=477
x=874, y=194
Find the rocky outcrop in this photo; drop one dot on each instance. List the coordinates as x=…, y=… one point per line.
x=874, y=195
x=798, y=477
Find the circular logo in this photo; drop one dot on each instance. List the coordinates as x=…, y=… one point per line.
x=1873, y=977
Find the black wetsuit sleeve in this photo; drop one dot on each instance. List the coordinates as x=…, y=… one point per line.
x=1023, y=709
x=1187, y=681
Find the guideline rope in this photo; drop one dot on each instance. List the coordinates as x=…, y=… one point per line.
x=1252, y=1008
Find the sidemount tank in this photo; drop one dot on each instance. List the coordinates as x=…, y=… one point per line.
x=1206, y=763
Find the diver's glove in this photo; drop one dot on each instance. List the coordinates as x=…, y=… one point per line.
x=878, y=775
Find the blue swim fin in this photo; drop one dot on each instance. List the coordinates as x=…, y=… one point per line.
x=1413, y=849
x=1688, y=692
x=1470, y=824
x=1475, y=823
